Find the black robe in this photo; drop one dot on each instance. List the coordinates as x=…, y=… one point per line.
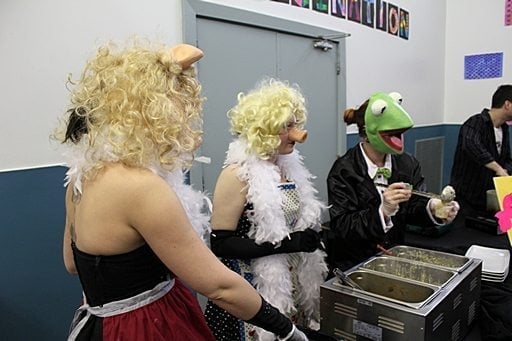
x=355, y=225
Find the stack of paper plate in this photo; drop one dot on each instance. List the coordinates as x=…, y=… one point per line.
x=495, y=262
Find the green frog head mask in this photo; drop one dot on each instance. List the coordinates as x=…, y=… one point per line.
x=385, y=122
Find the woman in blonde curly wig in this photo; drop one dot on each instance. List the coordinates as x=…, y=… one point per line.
x=261, y=114
x=266, y=216
x=140, y=106
x=133, y=228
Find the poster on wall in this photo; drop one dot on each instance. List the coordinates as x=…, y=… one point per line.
x=368, y=12
x=339, y=8
x=483, y=66
x=393, y=19
x=378, y=14
x=301, y=3
x=381, y=15
x=354, y=10
x=508, y=12
x=321, y=5
x=403, y=30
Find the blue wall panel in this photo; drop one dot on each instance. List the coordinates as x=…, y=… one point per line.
x=37, y=295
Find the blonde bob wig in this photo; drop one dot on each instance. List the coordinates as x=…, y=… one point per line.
x=136, y=105
x=264, y=112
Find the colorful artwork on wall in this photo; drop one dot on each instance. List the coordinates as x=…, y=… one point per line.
x=339, y=8
x=354, y=10
x=301, y=3
x=368, y=13
x=321, y=5
x=403, y=29
x=508, y=12
x=378, y=14
x=393, y=19
x=483, y=66
x=381, y=15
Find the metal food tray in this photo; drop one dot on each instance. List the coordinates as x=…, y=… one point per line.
x=398, y=290
x=445, y=314
x=435, y=258
x=412, y=270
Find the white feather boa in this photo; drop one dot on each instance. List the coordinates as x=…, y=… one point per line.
x=80, y=160
x=272, y=276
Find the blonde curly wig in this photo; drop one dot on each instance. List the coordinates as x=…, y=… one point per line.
x=138, y=105
x=264, y=112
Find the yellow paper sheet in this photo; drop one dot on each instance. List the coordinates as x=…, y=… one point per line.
x=503, y=185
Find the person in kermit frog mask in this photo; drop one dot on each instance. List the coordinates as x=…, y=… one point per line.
x=369, y=188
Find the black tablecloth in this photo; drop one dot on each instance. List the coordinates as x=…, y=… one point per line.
x=495, y=315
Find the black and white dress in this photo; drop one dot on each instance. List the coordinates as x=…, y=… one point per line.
x=275, y=210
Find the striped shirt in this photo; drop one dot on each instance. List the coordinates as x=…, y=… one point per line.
x=476, y=146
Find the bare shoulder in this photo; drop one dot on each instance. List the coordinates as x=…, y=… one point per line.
x=229, y=199
x=229, y=177
x=128, y=180
x=232, y=169
x=130, y=189
x=145, y=199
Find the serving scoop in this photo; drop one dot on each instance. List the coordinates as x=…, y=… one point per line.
x=346, y=280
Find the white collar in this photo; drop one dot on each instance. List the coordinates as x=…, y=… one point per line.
x=372, y=167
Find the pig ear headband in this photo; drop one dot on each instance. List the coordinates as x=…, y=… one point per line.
x=186, y=55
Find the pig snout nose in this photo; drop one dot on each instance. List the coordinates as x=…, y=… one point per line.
x=297, y=135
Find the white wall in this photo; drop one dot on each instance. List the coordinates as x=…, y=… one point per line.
x=474, y=27
x=43, y=41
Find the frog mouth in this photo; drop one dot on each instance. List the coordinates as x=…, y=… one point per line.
x=394, y=138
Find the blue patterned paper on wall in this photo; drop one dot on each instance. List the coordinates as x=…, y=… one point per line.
x=508, y=12
x=483, y=66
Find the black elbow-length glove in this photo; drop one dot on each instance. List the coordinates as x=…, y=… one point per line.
x=225, y=243
x=271, y=319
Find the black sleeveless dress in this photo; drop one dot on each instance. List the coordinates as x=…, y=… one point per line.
x=106, y=279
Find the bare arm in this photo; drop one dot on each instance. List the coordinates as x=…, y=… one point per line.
x=69, y=262
x=496, y=168
x=158, y=215
x=228, y=199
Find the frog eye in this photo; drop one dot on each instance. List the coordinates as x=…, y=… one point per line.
x=396, y=97
x=378, y=107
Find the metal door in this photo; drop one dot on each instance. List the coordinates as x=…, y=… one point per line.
x=236, y=57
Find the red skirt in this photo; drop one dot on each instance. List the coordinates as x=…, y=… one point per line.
x=175, y=316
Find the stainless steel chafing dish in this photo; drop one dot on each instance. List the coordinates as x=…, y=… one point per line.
x=415, y=271
x=417, y=294
x=394, y=289
x=436, y=258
